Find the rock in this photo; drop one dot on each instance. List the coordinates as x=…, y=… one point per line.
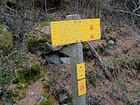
x=54, y=59
x=32, y=93
x=41, y=100
x=111, y=44
x=65, y=60
x=65, y=51
x=57, y=48
x=63, y=98
x=40, y=44
x=136, y=37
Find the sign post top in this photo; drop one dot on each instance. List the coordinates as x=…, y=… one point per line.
x=73, y=17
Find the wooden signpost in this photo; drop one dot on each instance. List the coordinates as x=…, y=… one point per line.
x=73, y=31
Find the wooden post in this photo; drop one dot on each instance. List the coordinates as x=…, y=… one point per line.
x=76, y=57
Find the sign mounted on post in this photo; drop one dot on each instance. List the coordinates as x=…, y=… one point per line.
x=74, y=31
x=82, y=87
x=81, y=71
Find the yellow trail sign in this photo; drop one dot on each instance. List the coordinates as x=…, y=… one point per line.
x=82, y=87
x=74, y=31
x=81, y=71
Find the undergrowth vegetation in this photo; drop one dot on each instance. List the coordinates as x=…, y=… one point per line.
x=26, y=53
x=20, y=68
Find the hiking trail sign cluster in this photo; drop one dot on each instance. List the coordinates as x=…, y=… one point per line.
x=72, y=32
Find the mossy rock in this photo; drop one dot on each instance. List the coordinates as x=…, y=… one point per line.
x=36, y=67
x=21, y=76
x=18, y=94
x=3, y=29
x=37, y=43
x=6, y=38
x=32, y=72
x=15, y=94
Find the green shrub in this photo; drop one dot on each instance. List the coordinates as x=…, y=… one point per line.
x=51, y=82
x=32, y=40
x=101, y=50
x=138, y=93
x=15, y=94
x=110, y=28
x=38, y=43
x=124, y=62
x=109, y=65
x=120, y=84
x=132, y=103
x=19, y=58
x=5, y=75
x=91, y=75
x=28, y=74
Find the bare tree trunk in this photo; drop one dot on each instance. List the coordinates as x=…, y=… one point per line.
x=97, y=8
x=87, y=8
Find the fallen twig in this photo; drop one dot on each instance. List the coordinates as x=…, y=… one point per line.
x=102, y=64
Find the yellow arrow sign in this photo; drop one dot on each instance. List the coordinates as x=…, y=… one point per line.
x=74, y=31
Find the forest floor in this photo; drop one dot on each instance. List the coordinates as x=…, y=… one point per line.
x=123, y=62
x=33, y=91
x=123, y=90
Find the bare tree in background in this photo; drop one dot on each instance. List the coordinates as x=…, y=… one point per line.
x=21, y=16
x=120, y=11
x=87, y=8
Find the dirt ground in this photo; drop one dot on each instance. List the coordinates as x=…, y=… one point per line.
x=106, y=91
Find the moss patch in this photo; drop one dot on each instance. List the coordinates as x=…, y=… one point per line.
x=15, y=94
x=25, y=75
x=38, y=43
x=6, y=38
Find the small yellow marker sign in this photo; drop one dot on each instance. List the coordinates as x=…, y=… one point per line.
x=73, y=31
x=81, y=87
x=81, y=71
